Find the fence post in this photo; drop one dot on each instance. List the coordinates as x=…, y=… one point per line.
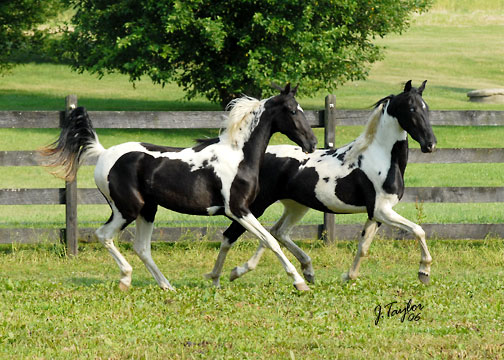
x=329, y=226
x=71, y=194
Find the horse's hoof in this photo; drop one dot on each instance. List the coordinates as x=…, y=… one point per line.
x=302, y=287
x=310, y=278
x=424, y=278
x=167, y=287
x=234, y=274
x=209, y=276
x=123, y=286
x=345, y=277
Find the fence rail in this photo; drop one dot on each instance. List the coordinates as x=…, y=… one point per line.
x=327, y=118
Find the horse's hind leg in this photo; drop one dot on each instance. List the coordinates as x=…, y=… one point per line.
x=105, y=235
x=216, y=272
x=390, y=217
x=142, y=247
x=293, y=213
x=370, y=229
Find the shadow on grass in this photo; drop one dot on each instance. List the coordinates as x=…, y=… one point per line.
x=451, y=89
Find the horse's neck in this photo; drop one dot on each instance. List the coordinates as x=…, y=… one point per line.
x=393, y=141
x=255, y=147
x=389, y=132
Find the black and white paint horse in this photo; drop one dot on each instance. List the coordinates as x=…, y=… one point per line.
x=367, y=175
x=216, y=177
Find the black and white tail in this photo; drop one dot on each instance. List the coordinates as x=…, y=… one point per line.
x=76, y=142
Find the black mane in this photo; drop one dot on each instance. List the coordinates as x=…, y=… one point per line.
x=383, y=100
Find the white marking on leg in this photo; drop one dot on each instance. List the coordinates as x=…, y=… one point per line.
x=390, y=217
x=105, y=235
x=219, y=263
x=293, y=213
x=250, y=265
x=370, y=229
x=142, y=246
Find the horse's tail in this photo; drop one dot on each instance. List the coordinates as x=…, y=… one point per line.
x=77, y=141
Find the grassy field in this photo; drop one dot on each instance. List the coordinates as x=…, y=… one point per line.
x=52, y=307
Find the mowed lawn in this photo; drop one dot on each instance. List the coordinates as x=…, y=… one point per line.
x=52, y=307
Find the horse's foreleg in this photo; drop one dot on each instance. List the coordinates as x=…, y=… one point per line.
x=142, y=247
x=250, y=223
x=390, y=217
x=368, y=233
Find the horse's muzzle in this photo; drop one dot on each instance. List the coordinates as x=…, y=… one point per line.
x=429, y=147
x=311, y=146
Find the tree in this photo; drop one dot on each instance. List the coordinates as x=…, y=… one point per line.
x=18, y=25
x=225, y=48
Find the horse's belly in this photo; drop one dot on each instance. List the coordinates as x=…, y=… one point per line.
x=174, y=186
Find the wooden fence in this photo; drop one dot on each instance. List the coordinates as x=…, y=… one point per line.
x=327, y=118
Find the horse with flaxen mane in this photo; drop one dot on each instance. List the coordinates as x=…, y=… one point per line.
x=215, y=177
x=367, y=175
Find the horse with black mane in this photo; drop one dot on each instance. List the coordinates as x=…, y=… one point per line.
x=215, y=177
x=366, y=175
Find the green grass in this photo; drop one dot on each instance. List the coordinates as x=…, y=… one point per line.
x=59, y=308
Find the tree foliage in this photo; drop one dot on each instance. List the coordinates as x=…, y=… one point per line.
x=224, y=48
x=19, y=21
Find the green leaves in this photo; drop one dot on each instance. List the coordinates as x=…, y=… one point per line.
x=224, y=49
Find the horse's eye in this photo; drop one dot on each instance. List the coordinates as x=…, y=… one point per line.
x=293, y=112
x=412, y=109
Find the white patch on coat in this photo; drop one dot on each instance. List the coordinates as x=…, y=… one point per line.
x=376, y=151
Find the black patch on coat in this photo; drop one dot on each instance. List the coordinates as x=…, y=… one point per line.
x=138, y=183
x=329, y=152
x=341, y=157
x=359, y=160
x=304, y=161
x=159, y=148
x=394, y=183
x=356, y=189
x=326, y=179
x=203, y=143
x=301, y=188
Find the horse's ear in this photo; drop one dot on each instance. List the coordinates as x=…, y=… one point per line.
x=407, y=86
x=422, y=87
x=294, y=91
x=287, y=89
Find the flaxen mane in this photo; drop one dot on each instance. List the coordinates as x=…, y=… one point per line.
x=366, y=138
x=243, y=117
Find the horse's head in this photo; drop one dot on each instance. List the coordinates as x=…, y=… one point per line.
x=413, y=115
x=288, y=118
